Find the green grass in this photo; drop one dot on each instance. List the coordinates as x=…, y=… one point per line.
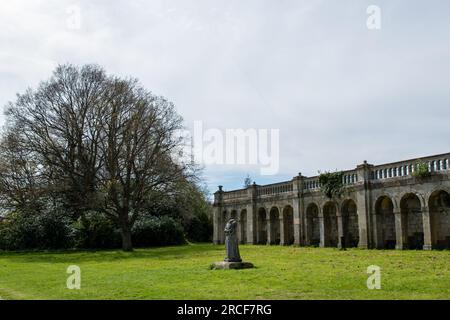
x=182, y=272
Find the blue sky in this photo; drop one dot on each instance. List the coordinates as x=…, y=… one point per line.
x=338, y=92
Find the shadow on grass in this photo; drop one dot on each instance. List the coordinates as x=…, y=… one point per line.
x=73, y=256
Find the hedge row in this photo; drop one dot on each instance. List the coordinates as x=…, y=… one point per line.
x=53, y=230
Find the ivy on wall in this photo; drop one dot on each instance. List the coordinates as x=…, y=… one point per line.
x=331, y=184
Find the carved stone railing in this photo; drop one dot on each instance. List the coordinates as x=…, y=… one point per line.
x=276, y=188
x=311, y=183
x=235, y=195
x=439, y=163
x=349, y=177
x=401, y=169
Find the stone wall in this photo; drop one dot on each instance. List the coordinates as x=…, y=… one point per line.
x=383, y=206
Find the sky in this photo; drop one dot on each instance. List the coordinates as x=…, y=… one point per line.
x=338, y=92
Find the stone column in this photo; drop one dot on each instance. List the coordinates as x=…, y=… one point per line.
x=282, y=240
x=297, y=222
x=427, y=239
x=216, y=225
x=217, y=216
x=340, y=226
x=269, y=228
x=363, y=200
x=223, y=221
x=363, y=226
x=258, y=228
x=307, y=233
x=322, y=228
x=377, y=239
x=238, y=227
x=400, y=244
x=252, y=229
x=297, y=210
x=252, y=226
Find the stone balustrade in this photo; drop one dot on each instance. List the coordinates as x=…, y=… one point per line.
x=407, y=168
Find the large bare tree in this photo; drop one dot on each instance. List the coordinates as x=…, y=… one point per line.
x=99, y=142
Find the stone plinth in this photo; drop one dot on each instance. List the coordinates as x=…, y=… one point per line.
x=231, y=265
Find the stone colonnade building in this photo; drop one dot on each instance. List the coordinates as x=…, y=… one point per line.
x=383, y=206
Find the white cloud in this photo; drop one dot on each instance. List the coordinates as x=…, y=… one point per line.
x=338, y=92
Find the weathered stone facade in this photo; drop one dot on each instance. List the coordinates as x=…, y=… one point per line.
x=384, y=206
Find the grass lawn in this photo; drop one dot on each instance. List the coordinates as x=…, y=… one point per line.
x=182, y=272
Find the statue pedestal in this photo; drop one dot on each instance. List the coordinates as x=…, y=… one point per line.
x=231, y=265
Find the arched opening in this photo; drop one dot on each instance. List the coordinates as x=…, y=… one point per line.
x=288, y=225
x=274, y=226
x=350, y=223
x=243, y=226
x=330, y=224
x=412, y=221
x=312, y=225
x=384, y=209
x=262, y=226
x=439, y=205
x=233, y=215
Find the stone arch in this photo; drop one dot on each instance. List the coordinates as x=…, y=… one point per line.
x=413, y=194
x=330, y=224
x=224, y=215
x=312, y=225
x=274, y=230
x=243, y=226
x=288, y=225
x=385, y=223
x=433, y=192
x=262, y=226
x=439, y=206
x=350, y=223
x=234, y=214
x=412, y=221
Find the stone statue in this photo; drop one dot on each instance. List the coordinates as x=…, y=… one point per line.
x=233, y=259
x=231, y=242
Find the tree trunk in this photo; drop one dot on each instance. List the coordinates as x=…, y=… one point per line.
x=125, y=231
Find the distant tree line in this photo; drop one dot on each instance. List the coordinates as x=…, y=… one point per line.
x=93, y=160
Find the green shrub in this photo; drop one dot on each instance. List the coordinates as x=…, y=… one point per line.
x=56, y=231
x=91, y=231
x=95, y=231
x=50, y=230
x=421, y=169
x=157, y=231
x=18, y=232
x=199, y=228
x=331, y=184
